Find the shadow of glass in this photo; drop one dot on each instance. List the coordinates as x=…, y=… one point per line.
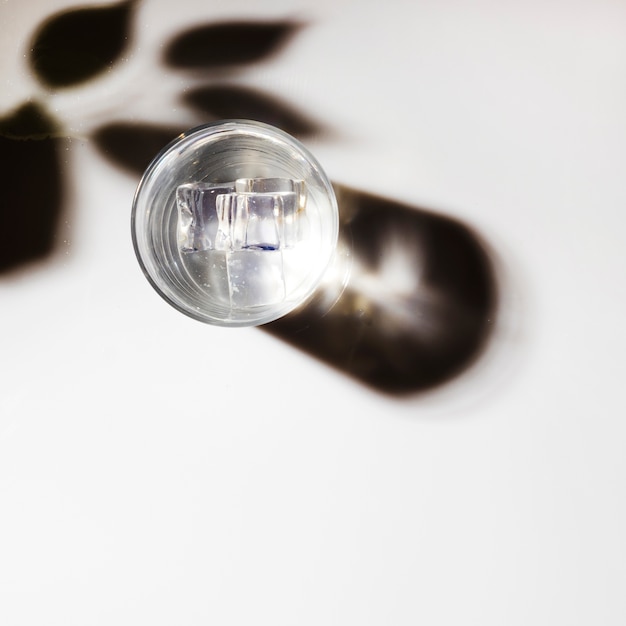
x=417, y=307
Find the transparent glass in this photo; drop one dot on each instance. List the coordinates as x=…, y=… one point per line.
x=235, y=223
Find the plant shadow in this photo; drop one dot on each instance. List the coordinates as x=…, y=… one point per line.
x=411, y=299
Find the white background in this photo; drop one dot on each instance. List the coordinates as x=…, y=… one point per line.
x=242, y=482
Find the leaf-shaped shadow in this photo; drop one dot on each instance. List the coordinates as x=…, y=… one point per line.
x=77, y=45
x=418, y=304
x=32, y=193
x=232, y=102
x=133, y=146
x=228, y=44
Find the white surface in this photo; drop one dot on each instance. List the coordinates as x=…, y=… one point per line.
x=245, y=483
